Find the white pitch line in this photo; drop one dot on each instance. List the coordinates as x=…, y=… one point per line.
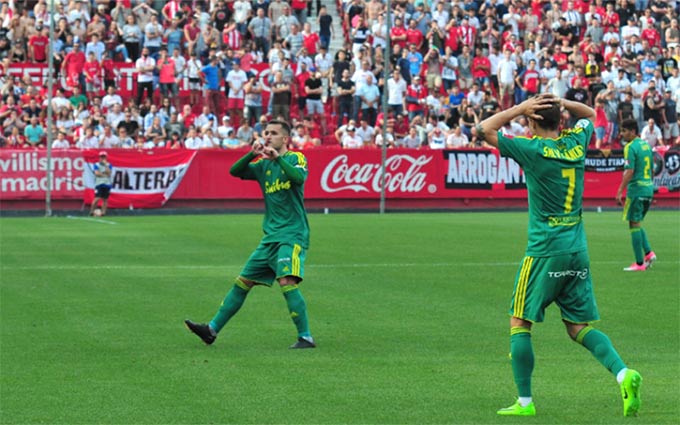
x=311, y=266
x=96, y=220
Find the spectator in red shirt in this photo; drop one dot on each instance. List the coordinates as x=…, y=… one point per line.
x=481, y=68
x=416, y=94
x=310, y=40
x=191, y=35
x=651, y=35
x=530, y=80
x=37, y=46
x=166, y=74
x=93, y=76
x=72, y=67
x=611, y=17
x=398, y=33
x=414, y=35
x=300, y=80
x=452, y=36
x=467, y=34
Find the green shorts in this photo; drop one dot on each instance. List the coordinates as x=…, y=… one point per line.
x=563, y=279
x=635, y=209
x=271, y=261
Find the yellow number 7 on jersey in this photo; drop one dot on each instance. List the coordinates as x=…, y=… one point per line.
x=570, y=174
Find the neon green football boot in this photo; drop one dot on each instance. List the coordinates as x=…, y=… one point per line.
x=630, y=392
x=517, y=410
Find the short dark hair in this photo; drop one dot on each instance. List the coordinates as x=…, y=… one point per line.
x=551, y=117
x=631, y=125
x=284, y=125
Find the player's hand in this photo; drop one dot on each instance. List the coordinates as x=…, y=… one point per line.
x=620, y=199
x=537, y=103
x=270, y=153
x=257, y=148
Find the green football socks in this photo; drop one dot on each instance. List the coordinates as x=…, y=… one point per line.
x=601, y=347
x=522, y=354
x=646, y=248
x=231, y=304
x=297, y=308
x=637, y=238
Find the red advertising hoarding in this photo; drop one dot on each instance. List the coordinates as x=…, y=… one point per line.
x=334, y=174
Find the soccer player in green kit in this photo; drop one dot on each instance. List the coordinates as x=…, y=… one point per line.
x=556, y=266
x=281, y=254
x=639, y=187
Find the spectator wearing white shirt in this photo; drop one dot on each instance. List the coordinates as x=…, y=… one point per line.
x=210, y=141
x=223, y=129
x=236, y=80
x=193, y=141
x=652, y=134
x=111, y=98
x=115, y=115
x=206, y=120
x=145, y=66
x=396, y=93
x=60, y=142
x=365, y=132
x=457, y=139
x=108, y=139
x=512, y=19
x=437, y=138
x=351, y=140
x=88, y=140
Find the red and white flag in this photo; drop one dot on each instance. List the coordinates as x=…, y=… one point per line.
x=139, y=181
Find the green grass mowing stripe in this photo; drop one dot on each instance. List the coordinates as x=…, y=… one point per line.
x=425, y=341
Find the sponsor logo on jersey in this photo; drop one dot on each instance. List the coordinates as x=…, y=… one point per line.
x=276, y=186
x=581, y=274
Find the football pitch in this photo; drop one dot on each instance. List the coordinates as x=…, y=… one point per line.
x=410, y=313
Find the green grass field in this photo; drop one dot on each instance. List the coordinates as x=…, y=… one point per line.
x=409, y=312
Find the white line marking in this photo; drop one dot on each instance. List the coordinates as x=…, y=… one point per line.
x=311, y=266
x=96, y=220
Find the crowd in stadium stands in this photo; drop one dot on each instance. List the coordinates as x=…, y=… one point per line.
x=453, y=64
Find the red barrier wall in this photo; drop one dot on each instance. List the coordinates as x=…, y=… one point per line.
x=337, y=178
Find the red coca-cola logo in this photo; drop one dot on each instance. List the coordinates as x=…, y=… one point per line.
x=403, y=174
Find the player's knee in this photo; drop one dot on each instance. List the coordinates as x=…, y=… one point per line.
x=244, y=283
x=575, y=330
x=288, y=283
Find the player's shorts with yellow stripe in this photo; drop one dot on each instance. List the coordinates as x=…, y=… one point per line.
x=562, y=279
x=635, y=209
x=274, y=260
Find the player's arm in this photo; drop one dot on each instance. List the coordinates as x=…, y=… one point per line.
x=241, y=168
x=627, y=176
x=295, y=173
x=487, y=130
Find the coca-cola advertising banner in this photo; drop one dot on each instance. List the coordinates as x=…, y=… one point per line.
x=333, y=174
x=126, y=79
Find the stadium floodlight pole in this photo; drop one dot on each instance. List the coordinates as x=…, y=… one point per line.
x=50, y=86
x=386, y=76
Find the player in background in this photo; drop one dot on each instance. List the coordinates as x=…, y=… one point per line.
x=102, y=183
x=281, y=254
x=639, y=187
x=556, y=266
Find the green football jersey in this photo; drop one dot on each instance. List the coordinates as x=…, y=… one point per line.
x=554, y=170
x=639, y=158
x=285, y=218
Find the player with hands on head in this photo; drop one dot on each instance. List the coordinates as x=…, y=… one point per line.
x=280, y=255
x=556, y=266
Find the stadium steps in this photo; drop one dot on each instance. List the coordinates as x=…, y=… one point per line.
x=332, y=9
